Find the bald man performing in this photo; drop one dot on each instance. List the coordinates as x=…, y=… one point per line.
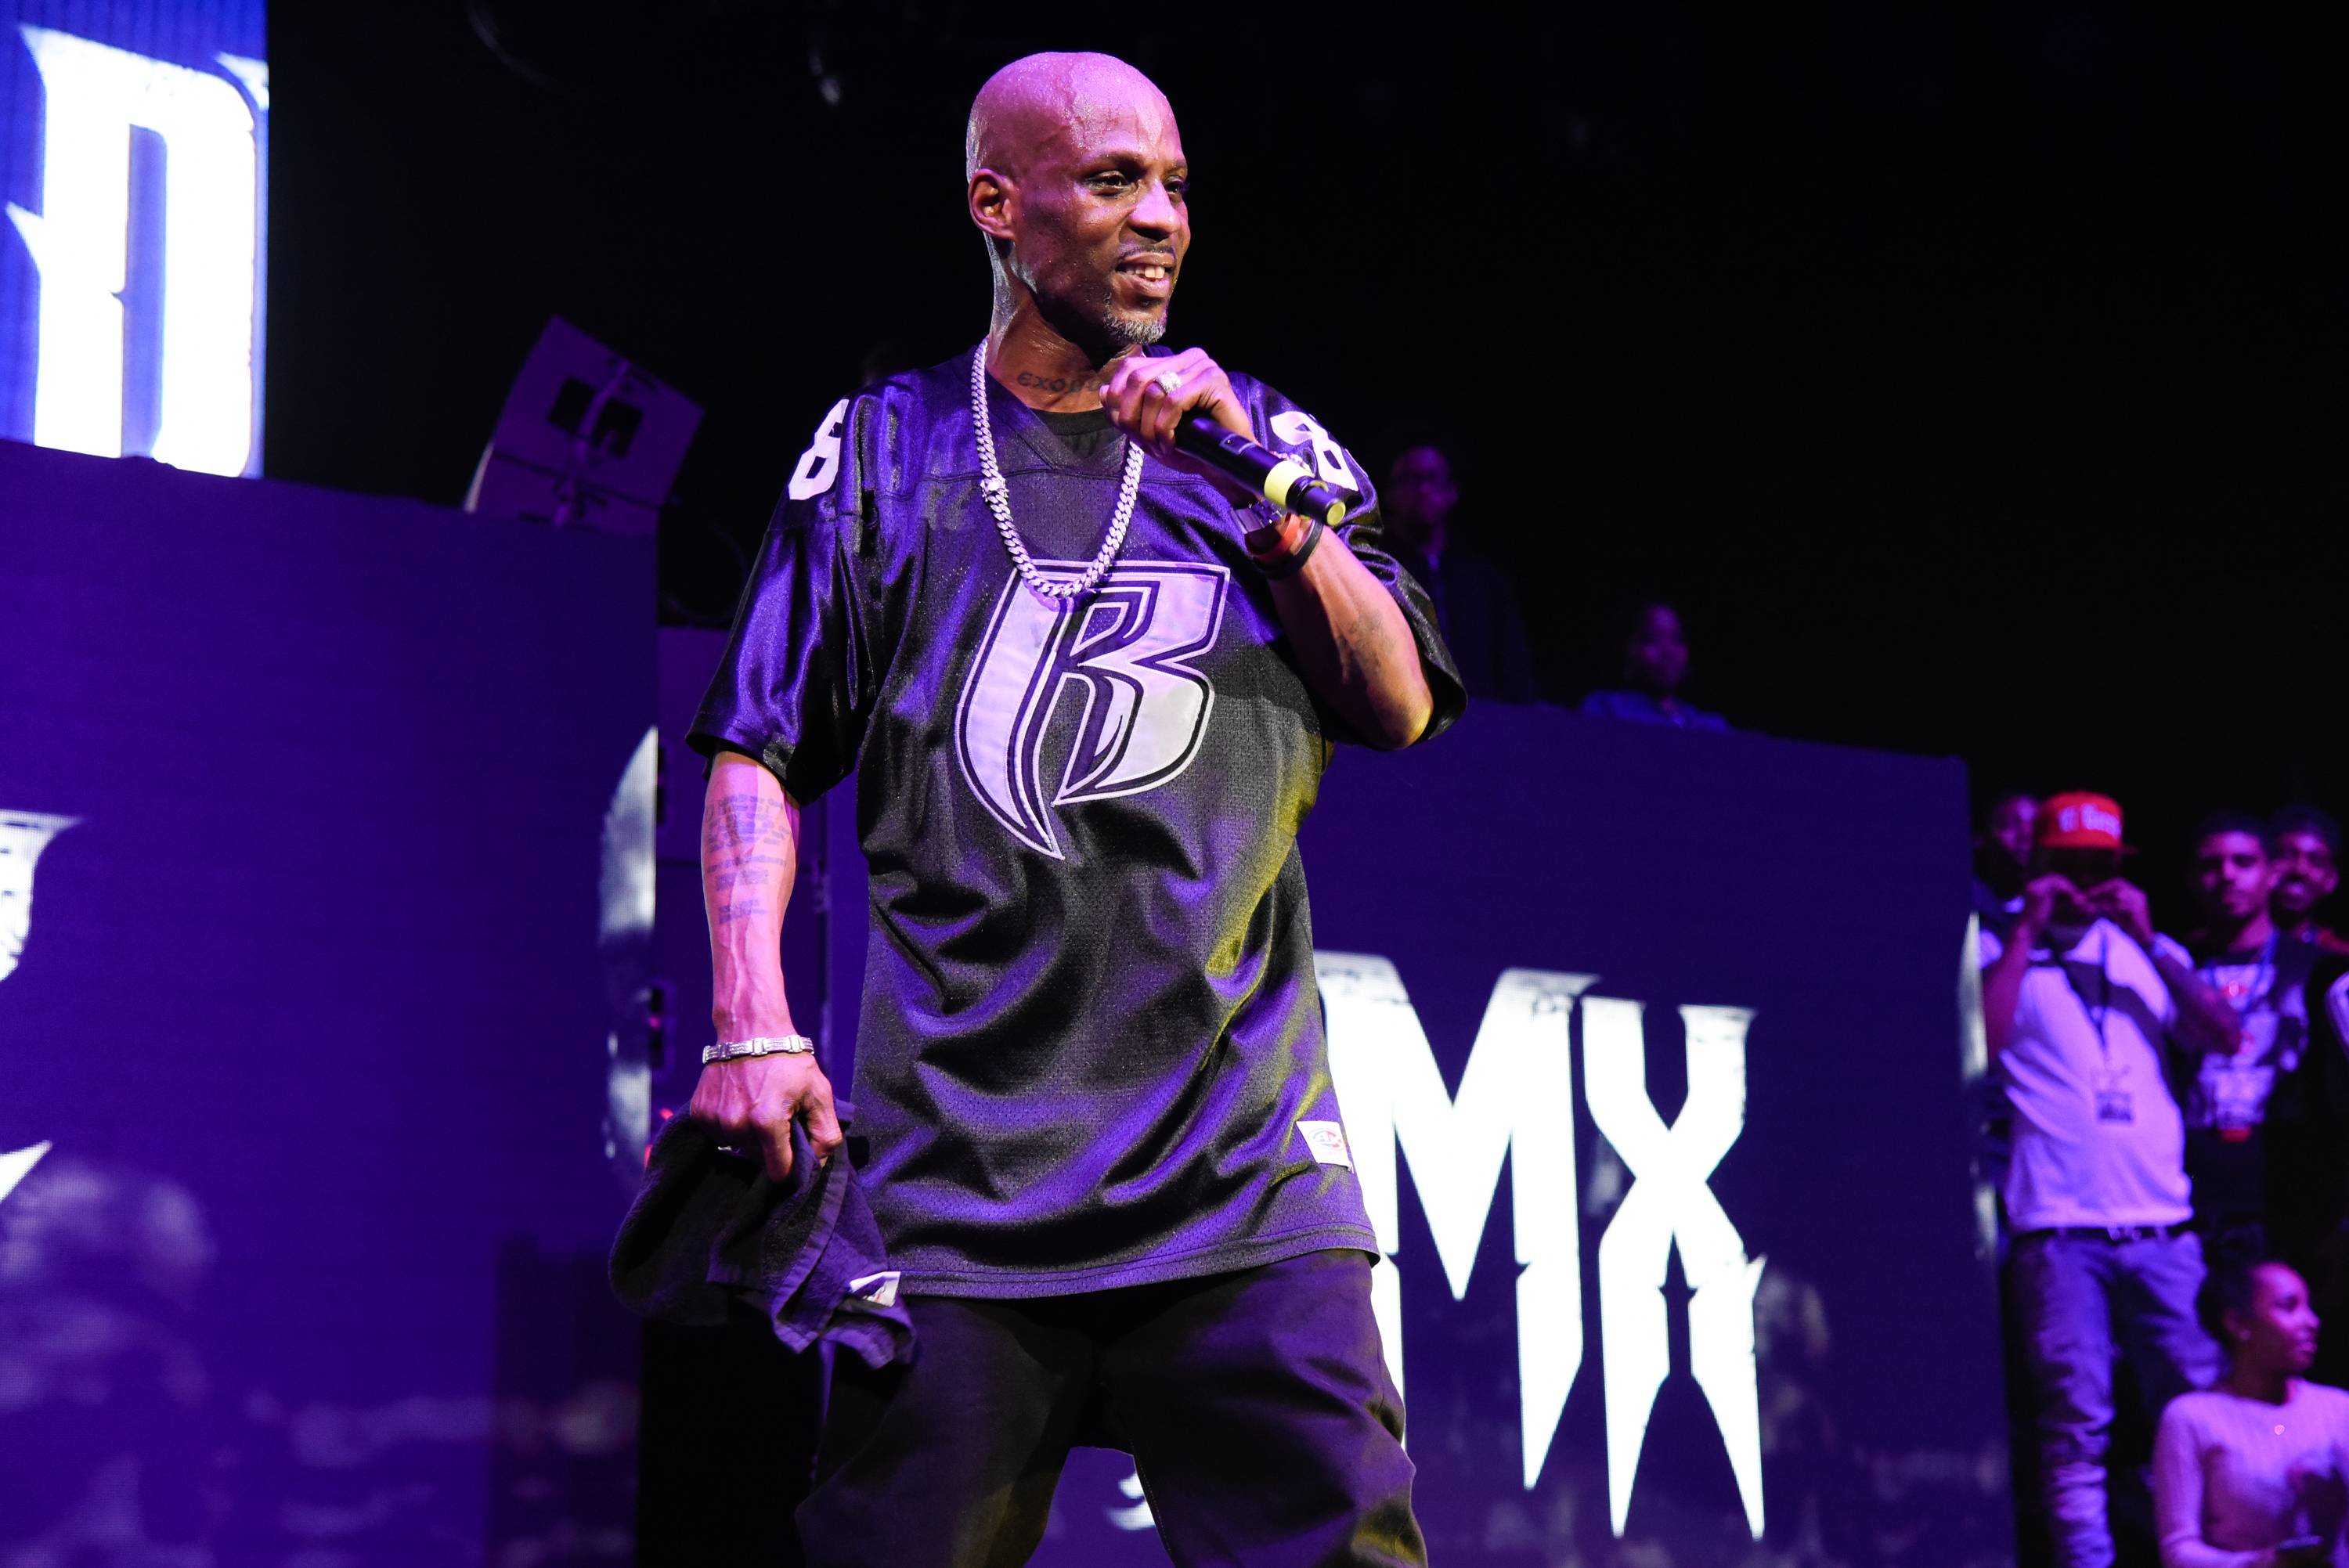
x=1088, y=690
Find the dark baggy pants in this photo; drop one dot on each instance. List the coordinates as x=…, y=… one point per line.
x=1257, y=1405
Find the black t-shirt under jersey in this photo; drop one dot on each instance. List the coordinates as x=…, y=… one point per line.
x=1086, y=434
x=1092, y=1051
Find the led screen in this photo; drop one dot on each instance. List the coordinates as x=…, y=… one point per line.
x=134, y=143
x=323, y=869
x=1651, y=1053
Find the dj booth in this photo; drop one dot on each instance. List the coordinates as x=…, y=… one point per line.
x=334, y=1011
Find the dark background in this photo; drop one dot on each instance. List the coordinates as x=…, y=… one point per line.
x=1969, y=370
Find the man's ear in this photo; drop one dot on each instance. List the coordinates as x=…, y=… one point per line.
x=994, y=203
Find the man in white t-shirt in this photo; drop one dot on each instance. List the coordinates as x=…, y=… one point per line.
x=2076, y=1005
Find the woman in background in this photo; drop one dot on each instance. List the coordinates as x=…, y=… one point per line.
x=1655, y=662
x=2254, y=1471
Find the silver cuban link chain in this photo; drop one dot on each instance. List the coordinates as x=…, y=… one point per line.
x=999, y=501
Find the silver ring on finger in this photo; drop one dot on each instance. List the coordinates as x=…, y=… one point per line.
x=1167, y=381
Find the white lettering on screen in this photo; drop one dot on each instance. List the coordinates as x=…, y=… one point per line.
x=17, y=1164
x=1516, y=1099
x=22, y=836
x=1669, y=1206
x=95, y=95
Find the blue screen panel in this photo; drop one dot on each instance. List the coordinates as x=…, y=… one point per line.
x=134, y=141
x=317, y=899
x=1653, y=1053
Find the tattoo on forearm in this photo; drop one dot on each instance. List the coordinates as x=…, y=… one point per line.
x=757, y=871
x=746, y=848
x=740, y=822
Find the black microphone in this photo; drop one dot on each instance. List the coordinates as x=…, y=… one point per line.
x=1284, y=481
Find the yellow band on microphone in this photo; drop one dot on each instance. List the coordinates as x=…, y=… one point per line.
x=1283, y=478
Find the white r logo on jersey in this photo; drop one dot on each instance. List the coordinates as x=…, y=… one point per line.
x=1141, y=710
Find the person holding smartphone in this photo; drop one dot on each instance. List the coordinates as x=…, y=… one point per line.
x=2078, y=1005
x=2254, y=1471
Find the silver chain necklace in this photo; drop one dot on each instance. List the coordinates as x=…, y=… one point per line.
x=999, y=501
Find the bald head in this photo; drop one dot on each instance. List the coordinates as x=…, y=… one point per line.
x=1032, y=104
x=1077, y=177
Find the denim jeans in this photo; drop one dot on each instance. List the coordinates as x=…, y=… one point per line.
x=2078, y=1301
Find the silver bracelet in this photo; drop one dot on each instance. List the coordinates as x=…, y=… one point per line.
x=758, y=1046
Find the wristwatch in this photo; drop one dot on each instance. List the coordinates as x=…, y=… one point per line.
x=758, y=1046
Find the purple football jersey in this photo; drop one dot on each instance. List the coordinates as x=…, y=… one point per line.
x=1091, y=1053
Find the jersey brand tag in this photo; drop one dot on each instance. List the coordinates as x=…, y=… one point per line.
x=1328, y=1142
x=877, y=1289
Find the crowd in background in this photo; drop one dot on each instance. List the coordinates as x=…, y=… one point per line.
x=1483, y=627
x=2169, y=1139
x=2170, y=1170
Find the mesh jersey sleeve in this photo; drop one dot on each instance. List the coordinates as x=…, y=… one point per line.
x=1285, y=427
x=796, y=682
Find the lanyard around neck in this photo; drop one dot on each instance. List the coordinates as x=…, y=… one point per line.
x=2104, y=1007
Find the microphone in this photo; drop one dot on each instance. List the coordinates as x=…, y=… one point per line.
x=1284, y=481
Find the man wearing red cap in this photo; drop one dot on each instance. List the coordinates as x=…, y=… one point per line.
x=2077, y=1003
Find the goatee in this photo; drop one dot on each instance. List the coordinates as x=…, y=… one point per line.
x=1140, y=331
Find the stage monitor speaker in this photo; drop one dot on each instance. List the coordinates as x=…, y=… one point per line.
x=587, y=440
